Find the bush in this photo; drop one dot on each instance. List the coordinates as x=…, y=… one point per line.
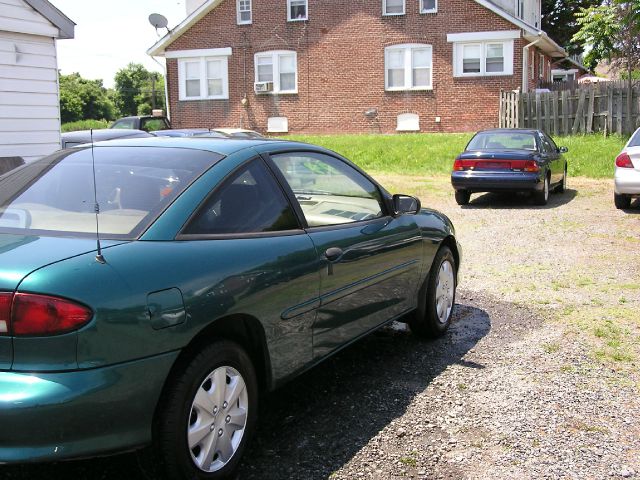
x=85, y=125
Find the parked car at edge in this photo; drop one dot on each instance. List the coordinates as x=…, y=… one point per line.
x=148, y=123
x=80, y=137
x=184, y=132
x=627, y=173
x=516, y=160
x=219, y=273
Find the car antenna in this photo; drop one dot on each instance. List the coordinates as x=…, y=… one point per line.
x=96, y=207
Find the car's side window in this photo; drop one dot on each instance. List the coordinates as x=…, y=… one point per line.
x=249, y=202
x=329, y=191
x=546, y=145
x=554, y=147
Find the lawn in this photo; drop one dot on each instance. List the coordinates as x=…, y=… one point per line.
x=433, y=153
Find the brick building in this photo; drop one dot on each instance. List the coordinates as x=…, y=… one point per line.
x=360, y=66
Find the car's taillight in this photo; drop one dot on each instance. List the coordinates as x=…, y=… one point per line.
x=457, y=165
x=27, y=314
x=531, y=166
x=624, y=160
x=5, y=312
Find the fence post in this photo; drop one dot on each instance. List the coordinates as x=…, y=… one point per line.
x=592, y=99
x=556, y=123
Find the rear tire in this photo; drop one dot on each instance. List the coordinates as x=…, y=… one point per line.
x=542, y=197
x=207, y=414
x=563, y=185
x=462, y=197
x=433, y=317
x=621, y=202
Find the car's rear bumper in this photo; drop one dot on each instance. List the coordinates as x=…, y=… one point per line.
x=627, y=181
x=56, y=416
x=477, y=181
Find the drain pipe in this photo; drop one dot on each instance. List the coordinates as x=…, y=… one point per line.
x=166, y=88
x=525, y=63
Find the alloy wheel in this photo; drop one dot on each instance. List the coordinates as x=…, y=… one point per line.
x=445, y=291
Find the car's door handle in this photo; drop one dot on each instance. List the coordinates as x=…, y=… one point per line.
x=333, y=253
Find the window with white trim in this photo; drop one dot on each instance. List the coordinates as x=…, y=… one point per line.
x=297, y=10
x=428, y=6
x=393, y=7
x=483, y=58
x=279, y=67
x=408, y=67
x=203, y=78
x=244, y=12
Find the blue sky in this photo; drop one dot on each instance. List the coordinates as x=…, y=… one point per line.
x=111, y=34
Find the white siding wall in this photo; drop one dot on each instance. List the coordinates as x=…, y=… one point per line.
x=29, y=108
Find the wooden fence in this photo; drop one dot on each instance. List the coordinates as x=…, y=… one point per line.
x=588, y=109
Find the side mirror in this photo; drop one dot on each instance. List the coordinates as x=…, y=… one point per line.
x=405, y=204
x=563, y=149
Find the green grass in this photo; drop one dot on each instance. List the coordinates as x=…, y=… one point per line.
x=85, y=125
x=433, y=153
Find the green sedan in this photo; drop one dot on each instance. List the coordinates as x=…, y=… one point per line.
x=151, y=290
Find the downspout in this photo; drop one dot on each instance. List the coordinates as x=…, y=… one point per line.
x=525, y=63
x=166, y=87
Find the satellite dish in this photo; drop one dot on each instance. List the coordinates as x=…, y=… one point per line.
x=158, y=21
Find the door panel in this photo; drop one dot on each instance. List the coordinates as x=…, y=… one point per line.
x=375, y=279
x=370, y=261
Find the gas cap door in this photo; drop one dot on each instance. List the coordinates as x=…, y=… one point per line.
x=166, y=308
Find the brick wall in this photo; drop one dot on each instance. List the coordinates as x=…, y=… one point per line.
x=341, y=68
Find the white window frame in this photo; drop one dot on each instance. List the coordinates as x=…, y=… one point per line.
x=384, y=9
x=408, y=49
x=507, y=52
x=239, y=12
x=182, y=80
x=275, y=55
x=428, y=10
x=306, y=9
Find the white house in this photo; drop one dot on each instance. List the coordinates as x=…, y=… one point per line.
x=29, y=93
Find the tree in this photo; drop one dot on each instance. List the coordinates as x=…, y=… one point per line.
x=611, y=31
x=138, y=90
x=83, y=99
x=558, y=20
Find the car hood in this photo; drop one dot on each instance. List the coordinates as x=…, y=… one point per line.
x=498, y=154
x=22, y=254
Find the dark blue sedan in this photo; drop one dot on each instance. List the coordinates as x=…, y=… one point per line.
x=517, y=160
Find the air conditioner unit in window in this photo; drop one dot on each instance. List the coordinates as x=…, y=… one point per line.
x=264, y=87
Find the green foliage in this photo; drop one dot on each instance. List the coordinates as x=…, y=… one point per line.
x=84, y=125
x=611, y=32
x=559, y=21
x=429, y=154
x=82, y=99
x=137, y=90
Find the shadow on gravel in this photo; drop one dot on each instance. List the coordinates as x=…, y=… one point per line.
x=518, y=201
x=634, y=208
x=318, y=422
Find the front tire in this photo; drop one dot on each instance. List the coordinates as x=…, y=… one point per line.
x=621, y=202
x=208, y=414
x=433, y=317
x=462, y=197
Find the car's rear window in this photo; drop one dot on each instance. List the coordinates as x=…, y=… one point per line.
x=502, y=141
x=55, y=195
x=635, y=140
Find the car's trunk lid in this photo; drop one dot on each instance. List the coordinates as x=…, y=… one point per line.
x=510, y=160
x=22, y=254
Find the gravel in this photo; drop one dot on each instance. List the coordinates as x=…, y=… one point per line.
x=513, y=390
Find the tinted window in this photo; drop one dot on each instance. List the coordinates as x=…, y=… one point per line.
x=153, y=124
x=124, y=124
x=251, y=202
x=547, y=147
x=635, y=140
x=56, y=193
x=503, y=141
x=329, y=191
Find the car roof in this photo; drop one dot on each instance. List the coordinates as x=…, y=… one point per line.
x=222, y=146
x=510, y=130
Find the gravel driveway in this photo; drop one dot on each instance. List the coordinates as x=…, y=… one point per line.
x=537, y=378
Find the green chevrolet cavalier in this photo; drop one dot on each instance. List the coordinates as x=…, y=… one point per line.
x=151, y=290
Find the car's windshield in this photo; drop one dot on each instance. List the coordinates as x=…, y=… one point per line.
x=503, y=141
x=55, y=195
